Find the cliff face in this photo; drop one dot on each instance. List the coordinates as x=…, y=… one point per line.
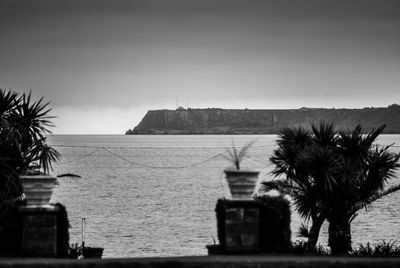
x=221, y=121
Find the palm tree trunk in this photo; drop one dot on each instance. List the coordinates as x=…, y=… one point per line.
x=314, y=232
x=339, y=236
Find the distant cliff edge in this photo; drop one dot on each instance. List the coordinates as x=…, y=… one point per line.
x=248, y=121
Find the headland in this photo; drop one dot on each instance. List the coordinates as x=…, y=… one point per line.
x=249, y=121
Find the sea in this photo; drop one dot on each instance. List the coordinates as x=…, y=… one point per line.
x=155, y=195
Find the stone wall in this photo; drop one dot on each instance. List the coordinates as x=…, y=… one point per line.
x=209, y=261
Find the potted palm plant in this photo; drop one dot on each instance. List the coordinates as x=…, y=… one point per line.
x=24, y=153
x=241, y=182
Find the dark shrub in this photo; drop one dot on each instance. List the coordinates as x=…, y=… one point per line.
x=10, y=229
x=62, y=231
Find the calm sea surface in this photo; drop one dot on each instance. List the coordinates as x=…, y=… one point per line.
x=155, y=195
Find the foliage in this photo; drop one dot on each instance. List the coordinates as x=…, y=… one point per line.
x=24, y=124
x=303, y=231
x=381, y=249
x=235, y=155
x=333, y=174
x=9, y=183
x=275, y=219
x=302, y=248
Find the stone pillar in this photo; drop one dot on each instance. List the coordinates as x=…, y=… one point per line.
x=39, y=231
x=254, y=226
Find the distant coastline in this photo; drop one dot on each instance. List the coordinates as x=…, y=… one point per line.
x=248, y=121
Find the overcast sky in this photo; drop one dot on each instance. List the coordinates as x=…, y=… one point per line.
x=103, y=64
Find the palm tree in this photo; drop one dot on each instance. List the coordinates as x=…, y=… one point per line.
x=287, y=158
x=9, y=184
x=332, y=175
x=23, y=127
x=361, y=172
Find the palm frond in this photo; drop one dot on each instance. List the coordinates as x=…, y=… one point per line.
x=294, y=136
x=243, y=151
x=303, y=231
x=307, y=202
x=33, y=118
x=10, y=187
x=235, y=155
x=322, y=165
x=381, y=166
x=370, y=138
x=284, y=158
x=8, y=100
x=24, y=124
x=373, y=197
x=282, y=186
x=324, y=134
x=48, y=156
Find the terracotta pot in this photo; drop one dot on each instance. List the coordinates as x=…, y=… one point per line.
x=242, y=183
x=38, y=188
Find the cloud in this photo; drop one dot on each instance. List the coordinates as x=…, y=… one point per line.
x=228, y=53
x=93, y=120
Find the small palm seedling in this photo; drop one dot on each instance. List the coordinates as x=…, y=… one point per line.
x=235, y=155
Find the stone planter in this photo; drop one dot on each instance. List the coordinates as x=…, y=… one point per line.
x=242, y=183
x=38, y=189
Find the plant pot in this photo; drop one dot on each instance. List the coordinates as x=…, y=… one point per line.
x=242, y=183
x=92, y=253
x=38, y=188
x=215, y=249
